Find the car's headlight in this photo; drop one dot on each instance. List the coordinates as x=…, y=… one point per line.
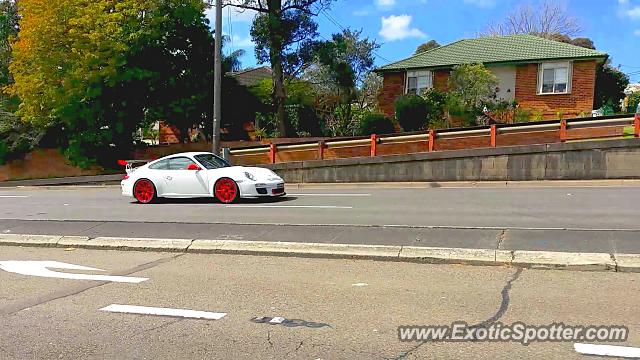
x=249, y=176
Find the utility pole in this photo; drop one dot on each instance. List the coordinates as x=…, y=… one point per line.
x=217, y=81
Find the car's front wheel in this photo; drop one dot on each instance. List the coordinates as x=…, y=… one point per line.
x=226, y=190
x=144, y=191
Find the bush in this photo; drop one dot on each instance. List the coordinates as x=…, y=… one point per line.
x=411, y=112
x=634, y=100
x=375, y=123
x=436, y=102
x=521, y=115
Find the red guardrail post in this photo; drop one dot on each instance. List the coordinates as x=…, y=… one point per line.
x=432, y=140
x=272, y=153
x=563, y=130
x=636, y=125
x=374, y=144
x=321, y=150
x=494, y=133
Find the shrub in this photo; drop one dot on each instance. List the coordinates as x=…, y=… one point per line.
x=634, y=100
x=436, y=102
x=521, y=115
x=375, y=123
x=411, y=112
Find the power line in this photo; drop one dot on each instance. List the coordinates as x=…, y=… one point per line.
x=336, y=23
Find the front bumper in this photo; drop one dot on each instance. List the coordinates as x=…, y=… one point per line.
x=262, y=189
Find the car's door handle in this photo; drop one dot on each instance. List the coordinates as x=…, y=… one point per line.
x=168, y=178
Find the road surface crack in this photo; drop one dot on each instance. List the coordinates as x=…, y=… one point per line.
x=501, y=238
x=504, y=305
x=269, y=338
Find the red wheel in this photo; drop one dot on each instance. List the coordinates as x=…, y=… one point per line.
x=144, y=191
x=226, y=190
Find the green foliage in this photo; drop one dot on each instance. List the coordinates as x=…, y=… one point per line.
x=429, y=45
x=538, y=116
x=375, y=123
x=8, y=30
x=521, y=115
x=435, y=102
x=610, y=85
x=16, y=137
x=472, y=84
x=633, y=101
x=411, y=112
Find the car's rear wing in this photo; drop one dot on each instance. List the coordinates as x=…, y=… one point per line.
x=130, y=165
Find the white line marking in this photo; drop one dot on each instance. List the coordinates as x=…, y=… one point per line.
x=291, y=206
x=146, y=310
x=13, y=196
x=40, y=268
x=360, y=284
x=335, y=195
x=608, y=350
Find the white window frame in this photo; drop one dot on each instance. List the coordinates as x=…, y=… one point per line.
x=555, y=65
x=419, y=74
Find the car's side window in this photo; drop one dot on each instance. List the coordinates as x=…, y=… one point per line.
x=160, y=165
x=180, y=163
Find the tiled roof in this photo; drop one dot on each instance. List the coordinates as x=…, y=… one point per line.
x=252, y=76
x=494, y=49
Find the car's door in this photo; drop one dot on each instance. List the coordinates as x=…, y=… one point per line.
x=180, y=181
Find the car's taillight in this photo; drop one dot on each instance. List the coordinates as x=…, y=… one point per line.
x=125, y=177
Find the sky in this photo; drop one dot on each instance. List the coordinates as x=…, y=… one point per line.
x=401, y=25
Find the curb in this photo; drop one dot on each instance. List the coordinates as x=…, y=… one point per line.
x=481, y=257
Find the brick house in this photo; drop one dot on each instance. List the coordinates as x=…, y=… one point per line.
x=542, y=75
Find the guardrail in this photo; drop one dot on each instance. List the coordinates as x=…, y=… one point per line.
x=448, y=139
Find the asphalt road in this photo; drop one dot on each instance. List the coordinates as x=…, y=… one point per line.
x=341, y=308
x=573, y=219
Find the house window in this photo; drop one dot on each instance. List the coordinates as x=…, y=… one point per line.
x=418, y=82
x=554, y=78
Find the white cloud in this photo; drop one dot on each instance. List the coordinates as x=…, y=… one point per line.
x=623, y=2
x=633, y=13
x=242, y=42
x=385, y=3
x=482, y=3
x=398, y=27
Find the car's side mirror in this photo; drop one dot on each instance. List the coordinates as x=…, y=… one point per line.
x=193, y=167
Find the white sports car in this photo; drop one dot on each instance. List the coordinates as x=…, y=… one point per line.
x=199, y=174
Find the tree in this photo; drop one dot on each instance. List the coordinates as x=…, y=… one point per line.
x=94, y=72
x=547, y=19
x=342, y=77
x=279, y=21
x=429, y=45
x=8, y=31
x=610, y=85
x=472, y=84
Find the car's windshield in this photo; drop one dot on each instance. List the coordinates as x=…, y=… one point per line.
x=210, y=161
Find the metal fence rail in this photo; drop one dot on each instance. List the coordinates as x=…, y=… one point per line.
x=430, y=138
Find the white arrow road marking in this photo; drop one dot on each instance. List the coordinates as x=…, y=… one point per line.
x=608, y=350
x=291, y=206
x=146, y=310
x=40, y=268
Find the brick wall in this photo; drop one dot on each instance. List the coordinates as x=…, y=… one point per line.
x=441, y=80
x=580, y=99
x=392, y=88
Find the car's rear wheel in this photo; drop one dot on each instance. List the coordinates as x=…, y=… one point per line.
x=144, y=191
x=226, y=190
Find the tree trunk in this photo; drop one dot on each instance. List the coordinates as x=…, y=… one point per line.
x=279, y=94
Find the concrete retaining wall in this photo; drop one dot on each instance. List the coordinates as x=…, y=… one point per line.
x=611, y=159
